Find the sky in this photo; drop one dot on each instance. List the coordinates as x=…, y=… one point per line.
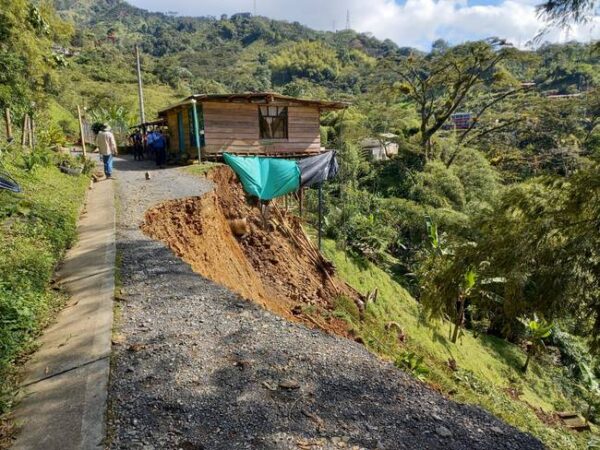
x=414, y=23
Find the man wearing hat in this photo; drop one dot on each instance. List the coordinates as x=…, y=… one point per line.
x=107, y=147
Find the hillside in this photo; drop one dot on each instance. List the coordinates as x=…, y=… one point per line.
x=474, y=244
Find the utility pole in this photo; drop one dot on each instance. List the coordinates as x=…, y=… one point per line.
x=254, y=8
x=140, y=87
x=348, y=19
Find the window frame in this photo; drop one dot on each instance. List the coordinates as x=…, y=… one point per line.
x=277, y=115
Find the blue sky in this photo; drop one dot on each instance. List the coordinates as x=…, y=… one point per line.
x=414, y=23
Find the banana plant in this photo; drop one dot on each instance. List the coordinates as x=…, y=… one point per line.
x=537, y=331
x=468, y=284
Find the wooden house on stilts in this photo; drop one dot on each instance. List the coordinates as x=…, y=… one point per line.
x=263, y=124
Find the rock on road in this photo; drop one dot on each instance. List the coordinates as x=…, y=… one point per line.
x=197, y=367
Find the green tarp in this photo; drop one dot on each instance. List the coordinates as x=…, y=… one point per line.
x=265, y=178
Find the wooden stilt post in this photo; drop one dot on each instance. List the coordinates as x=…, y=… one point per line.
x=25, y=132
x=320, y=213
x=81, y=131
x=301, y=201
x=9, y=135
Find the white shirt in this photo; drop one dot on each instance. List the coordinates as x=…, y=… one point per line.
x=105, y=141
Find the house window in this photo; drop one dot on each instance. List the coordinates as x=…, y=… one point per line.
x=273, y=121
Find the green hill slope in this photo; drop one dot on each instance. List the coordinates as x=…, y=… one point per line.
x=486, y=370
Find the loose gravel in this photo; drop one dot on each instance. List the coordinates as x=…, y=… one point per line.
x=197, y=367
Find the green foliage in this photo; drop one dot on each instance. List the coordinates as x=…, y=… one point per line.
x=313, y=60
x=439, y=187
x=38, y=226
x=537, y=330
x=412, y=363
x=36, y=158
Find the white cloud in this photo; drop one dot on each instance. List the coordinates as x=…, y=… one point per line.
x=413, y=23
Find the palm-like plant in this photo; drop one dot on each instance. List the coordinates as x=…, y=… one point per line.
x=537, y=331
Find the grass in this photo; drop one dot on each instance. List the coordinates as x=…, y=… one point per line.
x=37, y=226
x=486, y=367
x=202, y=168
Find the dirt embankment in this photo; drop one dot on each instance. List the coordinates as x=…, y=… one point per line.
x=274, y=265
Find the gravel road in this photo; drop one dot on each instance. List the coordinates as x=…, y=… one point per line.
x=197, y=367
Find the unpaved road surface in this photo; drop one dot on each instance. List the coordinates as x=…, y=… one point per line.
x=197, y=367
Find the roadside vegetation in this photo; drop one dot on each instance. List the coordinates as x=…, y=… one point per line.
x=37, y=226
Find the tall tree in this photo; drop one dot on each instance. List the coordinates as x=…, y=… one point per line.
x=565, y=12
x=443, y=81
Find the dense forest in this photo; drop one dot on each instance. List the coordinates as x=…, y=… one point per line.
x=493, y=226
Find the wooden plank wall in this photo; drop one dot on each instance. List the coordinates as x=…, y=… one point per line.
x=233, y=127
x=173, y=131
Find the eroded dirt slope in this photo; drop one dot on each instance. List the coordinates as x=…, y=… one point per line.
x=272, y=263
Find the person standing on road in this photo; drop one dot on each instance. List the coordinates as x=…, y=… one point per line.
x=159, y=145
x=107, y=147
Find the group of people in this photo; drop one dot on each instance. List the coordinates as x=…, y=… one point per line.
x=154, y=142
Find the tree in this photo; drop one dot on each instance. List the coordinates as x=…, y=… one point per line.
x=564, y=12
x=443, y=81
x=446, y=282
x=538, y=251
x=313, y=60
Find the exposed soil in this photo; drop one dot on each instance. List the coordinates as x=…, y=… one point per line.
x=273, y=262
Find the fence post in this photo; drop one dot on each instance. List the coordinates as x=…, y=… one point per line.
x=9, y=135
x=81, y=131
x=32, y=133
x=25, y=132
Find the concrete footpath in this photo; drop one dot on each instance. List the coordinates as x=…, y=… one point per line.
x=64, y=393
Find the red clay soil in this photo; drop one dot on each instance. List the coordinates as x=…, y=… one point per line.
x=275, y=265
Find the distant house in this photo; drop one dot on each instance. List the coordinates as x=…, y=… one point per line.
x=380, y=148
x=267, y=124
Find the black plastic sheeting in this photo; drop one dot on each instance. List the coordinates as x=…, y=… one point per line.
x=8, y=183
x=317, y=169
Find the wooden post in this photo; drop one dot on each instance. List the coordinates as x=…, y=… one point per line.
x=81, y=131
x=300, y=201
x=32, y=133
x=140, y=86
x=25, y=132
x=9, y=135
x=320, y=213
